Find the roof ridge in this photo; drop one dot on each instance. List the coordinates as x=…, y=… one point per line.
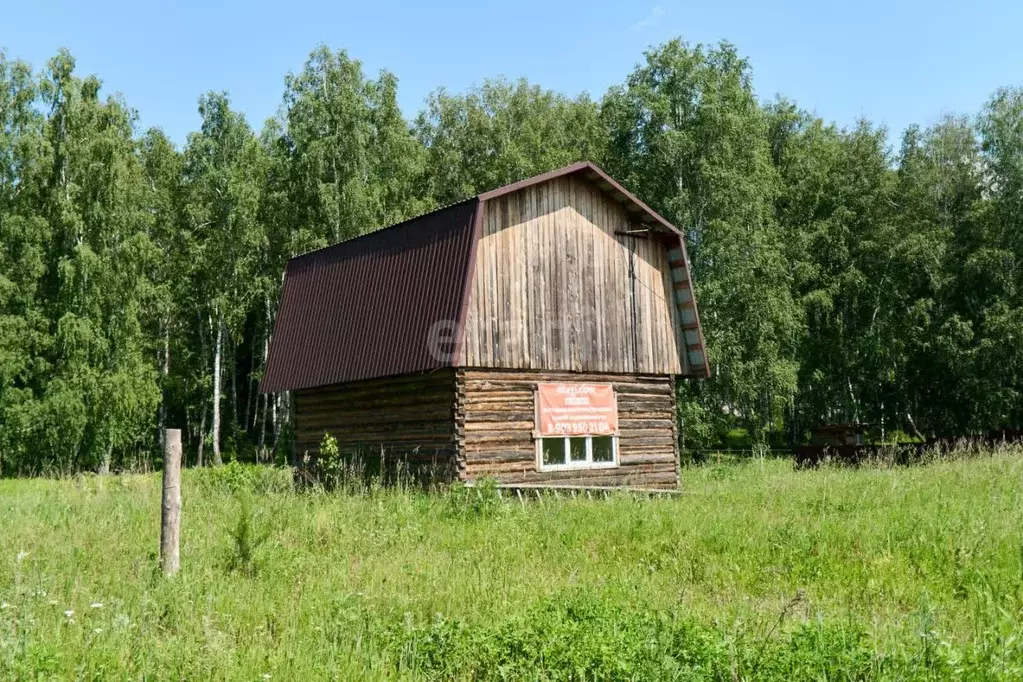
x=601, y=176
x=540, y=178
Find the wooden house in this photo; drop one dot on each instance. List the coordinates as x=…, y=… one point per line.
x=532, y=334
x=853, y=433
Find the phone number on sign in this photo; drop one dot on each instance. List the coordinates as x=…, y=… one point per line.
x=565, y=428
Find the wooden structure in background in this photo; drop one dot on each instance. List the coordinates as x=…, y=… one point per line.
x=425, y=342
x=839, y=434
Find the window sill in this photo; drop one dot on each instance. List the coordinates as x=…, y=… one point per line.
x=581, y=466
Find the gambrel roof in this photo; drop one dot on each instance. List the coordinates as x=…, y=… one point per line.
x=374, y=306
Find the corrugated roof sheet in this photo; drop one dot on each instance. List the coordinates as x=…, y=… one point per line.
x=383, y=304
x=366, y=307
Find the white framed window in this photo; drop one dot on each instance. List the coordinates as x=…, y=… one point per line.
x=576, y=426
x=556, y=453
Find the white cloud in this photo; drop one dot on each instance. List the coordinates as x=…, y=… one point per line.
x=655, y=16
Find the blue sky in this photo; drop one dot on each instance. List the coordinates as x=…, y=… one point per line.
x=893, y=62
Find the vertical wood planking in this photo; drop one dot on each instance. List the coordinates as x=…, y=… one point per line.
x=653, y=303
x=608, y=319
x=486, y=293
x=623, y=266
x=496, y=329
x=551, y=294
x=594, y=263
x=520, y=257
x=541, y=285
x=505, y=346
x=576, y=309
x=677, y=338
x=552, y=287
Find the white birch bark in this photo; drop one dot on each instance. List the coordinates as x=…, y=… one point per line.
x=217, y=353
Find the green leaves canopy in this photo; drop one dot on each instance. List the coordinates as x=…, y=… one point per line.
x=839, y=278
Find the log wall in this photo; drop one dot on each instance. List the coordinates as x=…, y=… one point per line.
x=469, y=424
x=495, y=421
x=409, y=418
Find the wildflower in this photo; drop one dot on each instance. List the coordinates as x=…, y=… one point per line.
x=4, y=605
x=95, y=605
x=22, y=555
x=69, y=613
x=266, y=676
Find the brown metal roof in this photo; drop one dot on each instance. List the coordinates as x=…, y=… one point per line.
x=366, y=307
x=378, y=305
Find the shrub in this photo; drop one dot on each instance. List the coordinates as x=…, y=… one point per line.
x=333, y=470
x=480, y=500
x=247, y=537
x=236, y=477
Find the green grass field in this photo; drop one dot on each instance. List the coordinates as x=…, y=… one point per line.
x=758, y=572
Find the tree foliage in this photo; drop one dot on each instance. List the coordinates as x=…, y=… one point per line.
x=501, y=132
x=841, y=276
x=687, y=134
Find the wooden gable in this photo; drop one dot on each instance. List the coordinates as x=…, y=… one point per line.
x=566, y=278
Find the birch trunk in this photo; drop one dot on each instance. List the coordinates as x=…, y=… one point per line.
x=261, y=412
x=218, y=351
x=882, y=421
x=250, y=394
x=164, y=371
x=108, y=455
x=233, y=369
x=912, y=425
x=264, y=398
x=275, y=413
x=202, y=436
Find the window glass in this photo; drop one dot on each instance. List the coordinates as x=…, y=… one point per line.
x=577, y=449
x=553, y=451
x=603, y=449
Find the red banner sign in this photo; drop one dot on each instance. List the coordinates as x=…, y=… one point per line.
x=571, y=409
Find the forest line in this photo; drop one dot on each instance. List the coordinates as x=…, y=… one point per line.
x=841, y=275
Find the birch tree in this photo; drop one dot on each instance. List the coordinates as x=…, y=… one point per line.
x=687, y=134
x=102, y=391
x=223, y=171
x=24, y=241
x=502, y=132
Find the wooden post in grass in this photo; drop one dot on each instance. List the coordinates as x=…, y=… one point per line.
x=170, y=518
